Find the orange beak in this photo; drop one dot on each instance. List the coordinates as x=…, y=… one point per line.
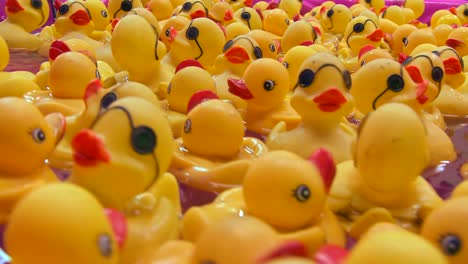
x=239, y=88
x=13, y=6
x=172, y=34
x=89, y=149
x=415, y=73
x=248, y=3
x=197, y=14
x=330, y=100
x=228, y=15
x=237, y=55
x=421, y=92
x=376, y=36
x=454, y=43
x=452, y=66
x=80, y=18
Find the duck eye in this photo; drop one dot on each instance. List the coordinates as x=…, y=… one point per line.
x=437, y=74
x=167, y=33
x=268, y=85
x=188, y=126
x=143, y=139
x=108, y=99
x=405, y=41
x=451, y=244
x=302, y=193
x=104, y=242
x=286, y=64
x=306, y=78
x=330, y=13
x=245, y=15
x=465, y=12
x=395, y=83
x=272, y=47
x=359, y=27
x=36, y=4
x=63, y=9
x=126, y=5
x=192, y=33
x=38, y=135
x=187, y=6
x=258, y=52
x=103, y=13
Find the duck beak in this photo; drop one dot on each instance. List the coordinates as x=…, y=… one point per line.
x=13, y=6
x=454, y=43
x=415, y=73
x=80, y=18
x=248, y=3
x=228, y=15
x=237, y=55
x=239, y=88
x=58, y=124
x=452, y=66
x=330, y=100
x=453, y=10
x=172, y=34
x=197, y=14
x=88, y=149
x=119, y=225
x=286, y=249
x=421, y=92
x=376, y=36
x=57, y=48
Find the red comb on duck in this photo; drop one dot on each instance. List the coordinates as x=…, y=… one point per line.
x=452, y=66
x=93, y=87
x=228, y=15
x=114, y=23
x=119, y=225
x=238, y=88
x=296, y=17
x=287, y=249
x=57, y=48
x=324, y=162
x=272, y=5
x=88, y=149
x=454, y=43
x=259, y=12
x=188, y=63
x=330, y=254
x=365, y=50
x=200, y=97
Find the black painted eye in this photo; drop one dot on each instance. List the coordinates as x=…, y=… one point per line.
x=38, y=135
x=186, y=6
x=359, y=27
x=126, y=5
x=302, y=193
x=405, y=41
x=63, y=9
x=286, y=64
x=368, y=1
x=108, y=99
x=228, y=45
x=103, y=13
x=268, y=85
x=258, y=52
x=104, y=242
x=188, y=126
x=330, y=13
x=36, y=4
x=347, y=79
x=451, y=244
x=313, y=13
x=192, y=33
x=437, y=74
x=272, y=47
x=465, y=12
x=306, y=78
x=143, y=140
x=395, y=83
x=245, y=15
x=167, y=33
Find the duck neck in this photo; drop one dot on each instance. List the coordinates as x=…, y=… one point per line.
x=322, y=122
x=385, y=198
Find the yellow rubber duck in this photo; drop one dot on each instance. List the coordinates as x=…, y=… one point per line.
x=441, y=32
x=23, y=168
x=461, y=13
x=393, y=83
x=189, y=79
x=457, y=40
x=398, y=15
x=210, y=156
x=23, y=17
x=269, y=43
x=238, y=54
x=119, y=8
x=336, y=18
x=417, y=6
x=359, y=32
x=398, y=194
x=380, y=247
x=61, y=223
x=236, y=5
x=161, y=9
x=202, y=40
x=101, y=19
x=275, y=21
x=445, y=230
x=265, y=85
x=369, y=53
x=400, y=40
x=322, y=99
x=140, y=52
x=171, y=28
x=96, y=99
x=127, y=171
x=375, y=5
x=299, y=33
x=194, y=9
x=418, y=37
x=250, y=17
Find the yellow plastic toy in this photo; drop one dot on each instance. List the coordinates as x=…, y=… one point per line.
x=418, y=37
x=417, y=6
x=23, y=17
x=265, y=85
x=210, y=156
x=161, y=9
x=335, y=19
x=236, y=29
x=23, y=168
x=369, y=53
x=238, y=54
x=457, y=40
x=400, y=39
x=268, y=42
x=391, y=82
x=322, y=99
x=445, y=229
x=61, y=223
x=119, y=8
x=441, y=32
x=127, y=171
x=375, y=5
x=398, y=15
x=395, y=246
x=101, y=19
x=194, y=9
x=299, y=33
x=275, y=21
x=222, y=13
x=359, y=32
x=202, y=40
x=96, y=100
x=250, y=17
x=461, y=13
x=382, y=183
x=171, y=28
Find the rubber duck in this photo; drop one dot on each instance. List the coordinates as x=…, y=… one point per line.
x=381, y=247
x=398, y=194
x=161, y=9
x=145, y=193
x=359, y=32
x=238, y=54
x=357, y=9
x=96, y=99
x=369, y=53
x=23, y=17
x=457, y=39
x=417, y=6
x=299, y=33
x=63, y=223
x=275, y=21
x=189, y=78
x=393, y=83
x=461, y=12
x=400, y=39
x=376, y=5
x=101, y=19
x=417, y=37
x=24, y=169
x=171, y=28
x=442, y=32
x=236, y=4
x=445, y=17
x=213, y=157
x=222, y=13
x=119, y=8
x=250, y=17
x=236, y=29
x=398, y=15
x=132, y=49
x=445, y=231
x=269, y=43
x=265, y=85
x=194, y=9
x=202, y=40
x=335, y=19
x=322, y=100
